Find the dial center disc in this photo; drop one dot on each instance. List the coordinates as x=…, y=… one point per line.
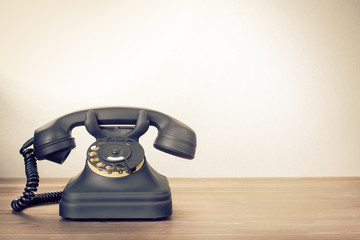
x=115, y=151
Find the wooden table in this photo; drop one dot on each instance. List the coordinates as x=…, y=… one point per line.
x=231, y=208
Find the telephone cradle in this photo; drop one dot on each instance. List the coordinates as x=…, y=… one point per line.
x=117, y=182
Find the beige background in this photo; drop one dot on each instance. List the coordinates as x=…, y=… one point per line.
x=272, y=88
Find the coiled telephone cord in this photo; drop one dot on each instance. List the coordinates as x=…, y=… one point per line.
x=29, y=198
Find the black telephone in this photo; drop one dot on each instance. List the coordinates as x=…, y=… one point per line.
x=117, y=181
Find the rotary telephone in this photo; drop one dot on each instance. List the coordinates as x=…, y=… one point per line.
x=117, y=181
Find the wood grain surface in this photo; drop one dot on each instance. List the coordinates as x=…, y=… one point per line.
x=231, y=208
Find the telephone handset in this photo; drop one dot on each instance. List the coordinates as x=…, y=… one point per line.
x=117, y=181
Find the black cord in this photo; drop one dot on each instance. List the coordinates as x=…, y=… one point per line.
x=29, y=198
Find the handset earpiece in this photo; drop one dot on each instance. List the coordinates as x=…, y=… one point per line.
x=171, y=145
x=177, y=141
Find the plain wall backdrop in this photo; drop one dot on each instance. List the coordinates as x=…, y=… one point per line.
x=272, y=88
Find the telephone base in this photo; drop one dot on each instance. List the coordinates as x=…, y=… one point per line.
x=143, y=195
x=115, y=209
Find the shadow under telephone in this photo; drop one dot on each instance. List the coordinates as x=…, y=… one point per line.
x=117, y=181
